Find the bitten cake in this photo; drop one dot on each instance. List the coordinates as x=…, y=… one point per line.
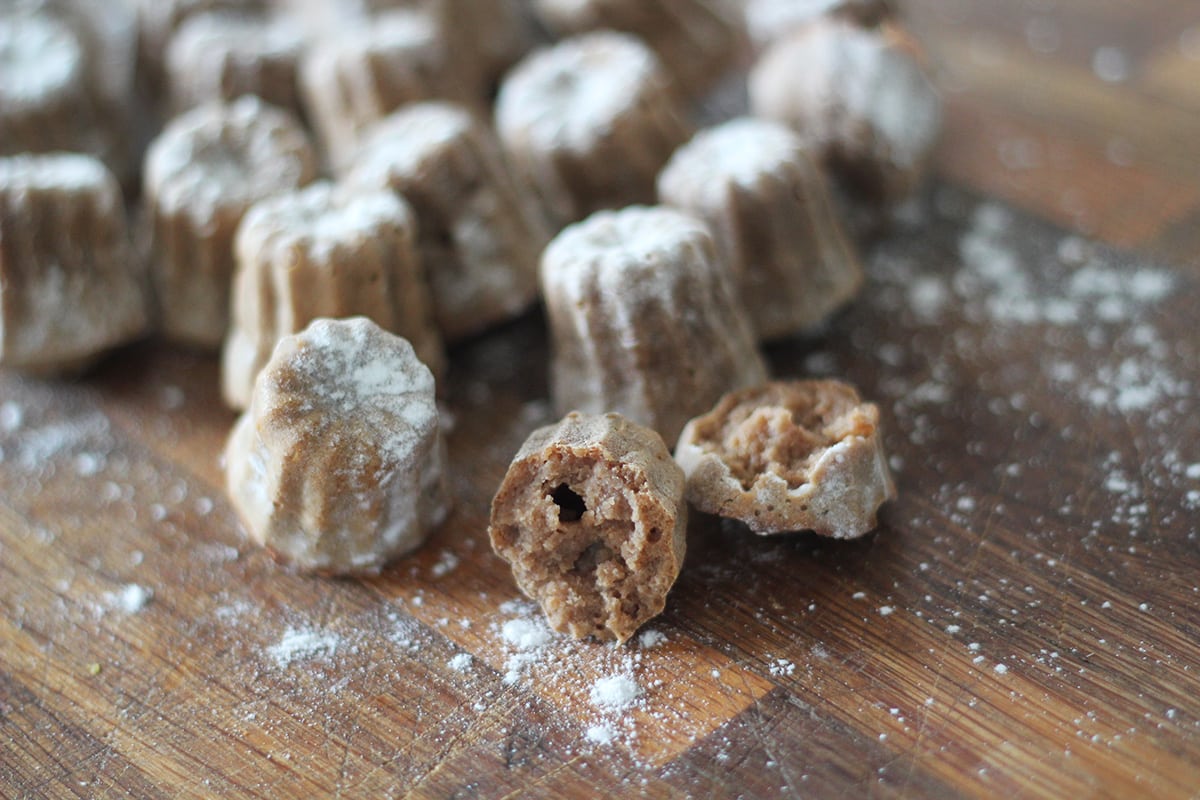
x=805, y=455
x=697, y=41
x=222, y=56
x=70, y=287
x=771, y=215
x=589, y=122
x=480, y=234
x=859, y=99
x=323, y=252
x=338, y=465
x=592, y=520
x=358, y=75
x=202, y=174
x=643, y=319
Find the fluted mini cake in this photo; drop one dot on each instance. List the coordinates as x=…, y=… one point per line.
x=696, y=40
x=643, y=319
x=70, y=287
x=859, y=98
x=338, y=465
x=222, y=56
x=357, y=76
x=480, y=233
x=324, y=251
x=770, y=212
x=202, y=174
x=589, y=122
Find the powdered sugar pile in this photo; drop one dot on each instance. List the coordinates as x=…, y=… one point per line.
x=303, y=643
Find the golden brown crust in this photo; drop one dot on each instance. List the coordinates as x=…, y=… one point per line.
x=592, y=520
x=786, y=456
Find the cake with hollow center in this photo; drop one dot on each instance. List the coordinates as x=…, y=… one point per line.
x=591, y=518
x=804, y=455
x=338, y=465
x=643, y=319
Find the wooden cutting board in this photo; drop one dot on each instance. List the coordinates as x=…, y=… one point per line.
x=1026, y=622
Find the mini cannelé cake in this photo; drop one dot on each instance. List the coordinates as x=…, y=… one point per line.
x=643, y=319
x=804, y=455
x=859, y=99
x=592, y=520
x=70, y=287
x=323, y=251
x=356, y=76
x=46, y=102
x=589, y=122
x=479, y=232
x=222, y=56
x=770, y=212
x=338, y=465
x=768, y=21
x=203, y=173
x=697, y=41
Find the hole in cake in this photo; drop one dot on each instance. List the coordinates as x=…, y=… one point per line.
x=595, y=553
x=571, y=507
x=654, y=535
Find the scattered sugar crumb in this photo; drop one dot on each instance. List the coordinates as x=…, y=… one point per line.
x=131, y=599
x=303, y=643
x=526, y=634
x=600, y=734
x=953, y=629
x=651, y=638
x=460, y=662
x=859, y=596
x=886, y=611
x=781, y=667
x=446, y=563
x=11, y=417
x=615, y=692
x=1000, y=669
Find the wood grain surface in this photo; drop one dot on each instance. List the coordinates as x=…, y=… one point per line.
x=1025, y=623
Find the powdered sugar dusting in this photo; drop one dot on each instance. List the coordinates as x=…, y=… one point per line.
x=298, y=644
x=39, y=58
x=569, y=94
x=357, y=369
x=615, y=692
x=131, y=599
